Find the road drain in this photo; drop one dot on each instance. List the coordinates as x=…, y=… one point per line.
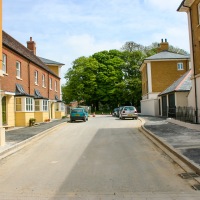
x=196, y=187
x=189, y=175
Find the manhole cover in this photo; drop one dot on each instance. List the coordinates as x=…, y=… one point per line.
x=189, y=175
x=196, y=187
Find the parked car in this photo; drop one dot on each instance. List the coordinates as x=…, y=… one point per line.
x=115, y=111
x=78, y=114
x=128, y=112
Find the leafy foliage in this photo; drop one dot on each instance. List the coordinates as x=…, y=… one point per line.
x=108, y=79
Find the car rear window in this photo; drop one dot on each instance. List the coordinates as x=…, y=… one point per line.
x=77, y=111
x=129, y=108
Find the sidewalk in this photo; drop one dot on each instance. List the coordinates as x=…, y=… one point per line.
x=182, y=138
x=17, y=137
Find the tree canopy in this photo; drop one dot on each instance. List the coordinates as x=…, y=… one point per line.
x=108, y=79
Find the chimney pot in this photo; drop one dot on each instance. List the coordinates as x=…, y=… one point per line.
x=31, y=46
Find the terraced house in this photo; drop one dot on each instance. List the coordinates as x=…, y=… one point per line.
x=192, y=8
x=30, y=87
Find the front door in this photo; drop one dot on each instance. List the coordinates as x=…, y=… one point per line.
x=164, y=106
x=172, y=106
x=4, y=120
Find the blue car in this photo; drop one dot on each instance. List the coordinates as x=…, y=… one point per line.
x=78, y=114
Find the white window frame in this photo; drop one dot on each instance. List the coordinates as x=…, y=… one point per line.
x=50, y=83
x=36, y=77
x=18, y=69
x=199, y=12
x=180, y=66
x=43, y=81
x=57, y=107
x=37, y=105
x=45, y=106
x=62, y=107
x=18, y=105
x=4, y=63
x=29, y=103
x=56, y=85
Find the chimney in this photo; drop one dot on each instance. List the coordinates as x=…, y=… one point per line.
x=31, y=46
x=163, y=46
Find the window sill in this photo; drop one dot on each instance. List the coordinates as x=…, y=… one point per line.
x=18, y=78
x=37, y=84
x=44, y=86
x=5, y=74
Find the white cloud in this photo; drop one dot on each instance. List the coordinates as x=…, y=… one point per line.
x=67, y=29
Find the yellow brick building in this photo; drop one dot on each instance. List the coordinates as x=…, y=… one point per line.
x=159, y=72
x=192, y=8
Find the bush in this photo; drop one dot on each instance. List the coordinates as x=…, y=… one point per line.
x=32, y=121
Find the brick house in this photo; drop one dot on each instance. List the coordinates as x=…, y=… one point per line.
x=192, y=8
x=30, y=89
x=159, y=72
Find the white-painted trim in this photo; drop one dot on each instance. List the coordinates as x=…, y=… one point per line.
x=190, y=39
x=149, y=77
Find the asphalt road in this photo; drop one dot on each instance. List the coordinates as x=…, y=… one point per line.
x=104, y=158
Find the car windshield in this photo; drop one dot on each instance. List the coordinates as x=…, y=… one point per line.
x=77, y=111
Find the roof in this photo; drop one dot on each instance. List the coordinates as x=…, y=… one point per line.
x=183, y=84
x=185, y=4
x=19, y=91
x=17, y=47
x=167, y=55
x=50, y=62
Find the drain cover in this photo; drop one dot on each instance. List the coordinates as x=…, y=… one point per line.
x=189, y=175
x=196, y=187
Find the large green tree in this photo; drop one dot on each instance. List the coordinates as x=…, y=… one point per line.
x=109, y=78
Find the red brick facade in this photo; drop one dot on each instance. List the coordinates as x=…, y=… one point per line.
x=27, y=78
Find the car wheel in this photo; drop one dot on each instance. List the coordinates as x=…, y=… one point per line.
x=136, y=118
x=84, y=119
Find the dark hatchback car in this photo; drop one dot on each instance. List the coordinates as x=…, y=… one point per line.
x=115, y=112
x=78, y=114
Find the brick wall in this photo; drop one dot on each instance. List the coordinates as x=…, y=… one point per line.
x=164, y=73
x=27, y=79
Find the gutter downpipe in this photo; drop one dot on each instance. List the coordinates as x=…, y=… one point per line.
x=195, y=81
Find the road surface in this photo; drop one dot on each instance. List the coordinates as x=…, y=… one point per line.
x=104, y=158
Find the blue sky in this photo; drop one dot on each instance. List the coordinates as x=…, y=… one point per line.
x=67, y=29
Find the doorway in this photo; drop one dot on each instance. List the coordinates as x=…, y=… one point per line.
x=4, y=117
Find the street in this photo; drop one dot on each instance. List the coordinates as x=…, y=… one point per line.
x=103, y=158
